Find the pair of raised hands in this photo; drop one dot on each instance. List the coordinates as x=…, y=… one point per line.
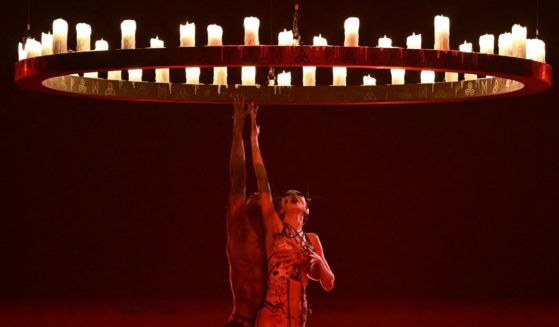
x=240, y=114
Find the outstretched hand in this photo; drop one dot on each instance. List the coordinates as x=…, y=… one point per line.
x=240, y=113
x=253, y=110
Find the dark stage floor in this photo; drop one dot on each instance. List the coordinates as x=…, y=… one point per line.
x=163, y=313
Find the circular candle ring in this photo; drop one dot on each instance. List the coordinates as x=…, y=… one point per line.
x=512, y=76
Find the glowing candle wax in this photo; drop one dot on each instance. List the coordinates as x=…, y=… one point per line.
x=427, y=76
x=351, y=31
x=135, y=75
x=46, y=44
x=60, y=36
x=535, y=50
x=339, y=76
x=505, y=44
x=285, y=37
x=519, y=34
x=251, y=24
x=384, y=42
x=193, y=75
x=284, y=79
x=248, y=75
x=128, y=29
x=33, y=48
x=369, y=81
x=451, y=77
x=215, y=35
x=467, y=47
x=22, y=54
x=487, y=44
x=187, y=34
x=161, y=74
x=83, y=42
x=442, y=33
x=309, y=76
x=398, y=76
x=319, y=41
x=414, y=41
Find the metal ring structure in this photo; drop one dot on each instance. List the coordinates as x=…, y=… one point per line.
x=510, y=76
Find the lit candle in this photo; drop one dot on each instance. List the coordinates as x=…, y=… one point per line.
x=427, y=76
x=46, y=44
x=384, y=42
x=398, y=76
x=309, y=76
x=22, y=54
x=188, y=34
x=284, y=79
x=135, y=75
x=114, y=75
x=339, y=76
x=161, y=74
x=128, y=28
x=83, y=32
x=100, y=45
x=193, y=75
x=467, y=47
x=248, y=75
x=535, y=50
x=442, y=33
x=33, y=48
x=519, y=34
x=487, y=44
x=505, y=44
x=414, y=41
x=251, y=24
x=351, y=27
x=215, y=34
x=319, y=41
x=451, y=77
x=60, y=36
x=285, y=37
x=220, y=76
x=369, y=81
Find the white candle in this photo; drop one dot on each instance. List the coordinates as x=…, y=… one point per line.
x=251, y=24
x=83, y=40
x=60, y=36
x=114, y=75
x=319, y=41
x=215, y=34
x=220, y=76
x=33, y=48
x=285, y=37
x=398, y=76
x=351, y=28
x=100, y=45
x=384, y=42
x=442, y=33
x=505, y=44
x=248, y=75
x=128, y=29
x=467, y=47
x=427, y=76
x=414, y=41
x=339, y=76
x=192, y=75
x=451, y=77
x=22, y=54
x=535, y=50
x=519, y=34
x=161, y=74
x=487, y=44
x=284, y=79
x=187, y=34
x=309, y=76
x=46, y=44
x=369, y=81
x=135, y=75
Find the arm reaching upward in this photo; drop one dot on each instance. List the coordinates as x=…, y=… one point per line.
x=237, y=169
x=272, y=222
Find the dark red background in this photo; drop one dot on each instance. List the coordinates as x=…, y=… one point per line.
x=443, y=202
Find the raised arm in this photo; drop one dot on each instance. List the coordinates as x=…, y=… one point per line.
x=272, y=222
x=237, y=169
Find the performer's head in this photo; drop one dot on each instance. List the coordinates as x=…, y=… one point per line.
x=294, y=201
x=253, y=206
